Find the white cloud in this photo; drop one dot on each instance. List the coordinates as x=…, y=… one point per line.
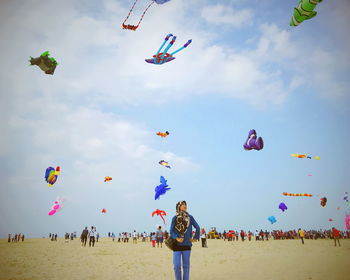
x=220, y=14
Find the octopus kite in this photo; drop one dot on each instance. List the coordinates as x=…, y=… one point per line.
x=162, y=188
x=297, y=194
x=304, y=11
x=107, y=178
x=134, y=27
x=160, y=213
x=164, y=163
x=45, y=63
x=283, y=207
x=163, y=134
x=164, y=57
x=323, y=201
x=253, y=142
x=51, y=175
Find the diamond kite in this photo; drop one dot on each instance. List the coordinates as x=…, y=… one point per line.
x=253, y=142
x=45, y=63
x=164, y=57
x=162, y=188
x=304, y=11
x=51, y=175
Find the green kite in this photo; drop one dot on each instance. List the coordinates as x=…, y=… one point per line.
x=45, y=63
x=304, y=10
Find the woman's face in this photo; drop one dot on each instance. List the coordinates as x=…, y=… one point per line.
x=183, y=207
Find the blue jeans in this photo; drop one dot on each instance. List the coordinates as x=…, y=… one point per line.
x=185, y=264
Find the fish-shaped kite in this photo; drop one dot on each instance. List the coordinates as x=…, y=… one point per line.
x=107, y=178
x=283, y=207
x=162, y=188
x=160, y=213
x=51, y=175
x=163, y=134
x=164, y=163
x=304, y=11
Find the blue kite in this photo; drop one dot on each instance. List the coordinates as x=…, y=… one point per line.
x=164, y=57
x=161, y=189
x=272, y=219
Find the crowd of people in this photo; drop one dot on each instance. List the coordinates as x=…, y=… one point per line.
x=15, y=238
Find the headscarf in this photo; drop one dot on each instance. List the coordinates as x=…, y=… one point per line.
x=182, y=221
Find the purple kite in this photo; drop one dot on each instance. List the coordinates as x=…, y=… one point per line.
x=283, y=207
x=253, y=142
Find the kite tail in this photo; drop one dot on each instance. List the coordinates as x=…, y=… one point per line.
x=168, y=47
x=184, y=46
x=163, y=219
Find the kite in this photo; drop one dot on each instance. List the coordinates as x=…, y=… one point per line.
x=338, y=208
x=56, y=207
x=164, y=57
x=272, y=219
x=164, y=163
x=163, y=134
x=330, y=220
x=134, y=27
x=346, y=197
x=323, y=201
x=252, y=142
x=162, y=188
x=304, y=156
x=45, y=63
x=160, y=213
x=304, y=11
x=104, y=211
x=347, y=222
x=283, y=207
x=107, y=178
x=297, y=194
x=51, y=175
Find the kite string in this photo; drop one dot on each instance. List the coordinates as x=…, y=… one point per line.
x=142, y=14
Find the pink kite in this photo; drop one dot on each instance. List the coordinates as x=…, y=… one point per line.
x=347, y=222
x=57, y=206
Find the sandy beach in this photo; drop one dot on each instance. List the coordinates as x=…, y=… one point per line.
x=275, y=259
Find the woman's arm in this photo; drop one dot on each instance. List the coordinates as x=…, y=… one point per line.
x=194, y=223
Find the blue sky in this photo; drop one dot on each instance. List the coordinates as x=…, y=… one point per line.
x=98, y=114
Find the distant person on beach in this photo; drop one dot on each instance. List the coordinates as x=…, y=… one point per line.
x=98, y=237
x=22, y=237
x=242, y=234
x=153, y=239
x=72, y=236
x=113, y=236
x=134, y=237
x=92, y=234
x=56, y=237
x=9, y=239
x=204, y=238
x=180, y=230
x=159, y=237
x=336, y=236
x=84, y=236
x=109, y=234
x=301, y=235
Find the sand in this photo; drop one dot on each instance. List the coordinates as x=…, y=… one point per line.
x=267, y=260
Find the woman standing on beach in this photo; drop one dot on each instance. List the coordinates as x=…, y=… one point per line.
x=180, y=230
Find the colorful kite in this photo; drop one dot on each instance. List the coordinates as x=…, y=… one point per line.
x=347, y=222
x=45, y=63
x=51, y=175
x=272, y=219
x=253, y=142
x=164, y=163
x=160, y=213
x=164, y=57
x=107, y=178
x=162, y=188
x=134, y=27
x=283, y=207
x=297, y=194
x=104, y=211
x=323, y=201
x=163, y=134
x=304, y=156
x=304, y=11
x=56, y=207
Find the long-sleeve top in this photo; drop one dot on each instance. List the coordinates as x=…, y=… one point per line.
x=188, y=234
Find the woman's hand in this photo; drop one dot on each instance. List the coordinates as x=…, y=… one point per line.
x=180, y=240
x=193, y=240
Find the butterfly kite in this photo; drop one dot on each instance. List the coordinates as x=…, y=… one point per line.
x=162, y=188
x=134, y=27
x=163, y=134
x=283, y=207
x=51, y=175
x=45, y=63
x=107, y=178
x=164, y=163
x=164, y=57
x=304, y=11
x=253, y=142
x=159, y=213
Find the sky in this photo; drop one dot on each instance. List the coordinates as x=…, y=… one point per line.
x=98, y=115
